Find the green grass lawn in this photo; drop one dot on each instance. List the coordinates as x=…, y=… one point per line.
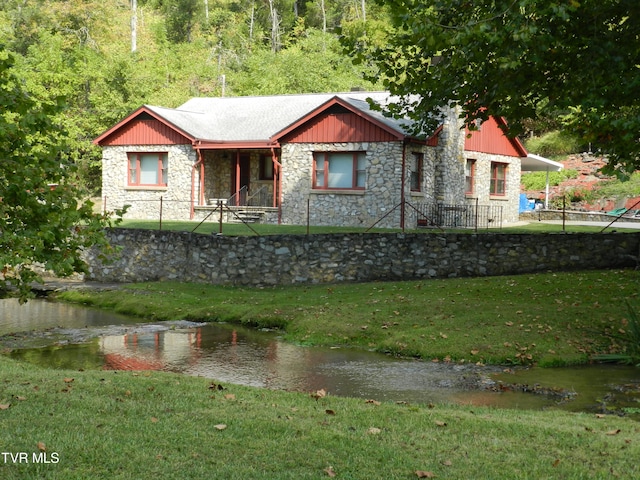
x=548, y=319
x=124, y=425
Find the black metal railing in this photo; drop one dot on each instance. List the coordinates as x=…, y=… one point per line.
x=458, y=216
x=243, y=198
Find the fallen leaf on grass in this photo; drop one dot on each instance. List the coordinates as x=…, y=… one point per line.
x=329, y=471
x=447, y=463
x=230, y=396
x=18, y=397
x=154, y=420
x=614, y=432
x=220, y=426
x=374, y=431
x=318, y=394
x=330, y=412
x=557, y=462
x=4, y=406
x=441, y=423
x=373, y=402
x=423, y=474
x=42, y=447
x=68, y=380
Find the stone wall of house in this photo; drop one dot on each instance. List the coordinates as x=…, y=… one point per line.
x=145, y=201
x=342, y=207
x=146, y=255
x=510, y=201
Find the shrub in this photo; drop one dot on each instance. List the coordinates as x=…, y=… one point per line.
x=538, y=180
x=554, y=143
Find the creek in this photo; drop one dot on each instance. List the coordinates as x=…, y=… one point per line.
x=59, y=335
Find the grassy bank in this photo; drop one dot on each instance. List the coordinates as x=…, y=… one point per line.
x=122, y=425
x=547, y=319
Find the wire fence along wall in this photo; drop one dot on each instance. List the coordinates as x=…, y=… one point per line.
x=415, y=215
x=458, y=216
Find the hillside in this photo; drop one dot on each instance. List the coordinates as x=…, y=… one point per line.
x=588, y=189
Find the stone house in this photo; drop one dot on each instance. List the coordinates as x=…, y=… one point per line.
x=322, y=159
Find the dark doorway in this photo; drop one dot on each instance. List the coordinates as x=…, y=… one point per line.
x=240, y=178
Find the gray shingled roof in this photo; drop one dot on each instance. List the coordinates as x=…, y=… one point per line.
x=238, y=119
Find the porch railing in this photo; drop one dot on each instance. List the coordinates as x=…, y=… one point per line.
x=238, y=199
x=260, y=198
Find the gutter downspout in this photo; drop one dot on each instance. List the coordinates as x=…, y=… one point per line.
x=402, y=181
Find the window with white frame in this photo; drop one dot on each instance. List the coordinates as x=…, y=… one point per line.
x=339, y=170
x=148, y=169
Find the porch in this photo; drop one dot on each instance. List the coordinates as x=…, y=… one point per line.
x=241, y=183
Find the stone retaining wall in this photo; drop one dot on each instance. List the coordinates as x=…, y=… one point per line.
x=296, y=259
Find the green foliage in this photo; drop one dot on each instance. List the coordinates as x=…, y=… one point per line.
x=180, y=18
x=521, y=59
x=313, y=63
x=538, y=180
x=628, y=188
x=553, y=144
x=42, y=222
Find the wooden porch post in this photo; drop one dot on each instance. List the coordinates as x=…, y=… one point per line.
x=277, y=184
x=237, y=186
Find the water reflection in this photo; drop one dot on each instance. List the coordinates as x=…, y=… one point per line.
x=233, y=355
x=43, y=314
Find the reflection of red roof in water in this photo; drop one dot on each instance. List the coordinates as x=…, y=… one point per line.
x=113, y=361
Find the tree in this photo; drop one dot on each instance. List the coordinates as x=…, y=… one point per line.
x=43, y=225
x=180, y=18
x=578, y=60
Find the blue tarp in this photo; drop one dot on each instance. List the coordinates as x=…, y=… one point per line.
x=526, y=204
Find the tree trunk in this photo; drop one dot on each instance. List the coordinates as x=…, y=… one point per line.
x=134, y=25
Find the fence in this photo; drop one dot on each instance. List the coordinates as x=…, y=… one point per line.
x=458, y=216
x=243, y=208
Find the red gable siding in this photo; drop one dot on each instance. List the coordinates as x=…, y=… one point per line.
x=145, y=132
x=338, y=127
x=491, y=139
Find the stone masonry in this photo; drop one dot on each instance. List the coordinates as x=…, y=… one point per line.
x=146, y=255
x=145, y=201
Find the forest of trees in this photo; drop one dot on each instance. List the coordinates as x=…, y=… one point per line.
x=106, y=58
